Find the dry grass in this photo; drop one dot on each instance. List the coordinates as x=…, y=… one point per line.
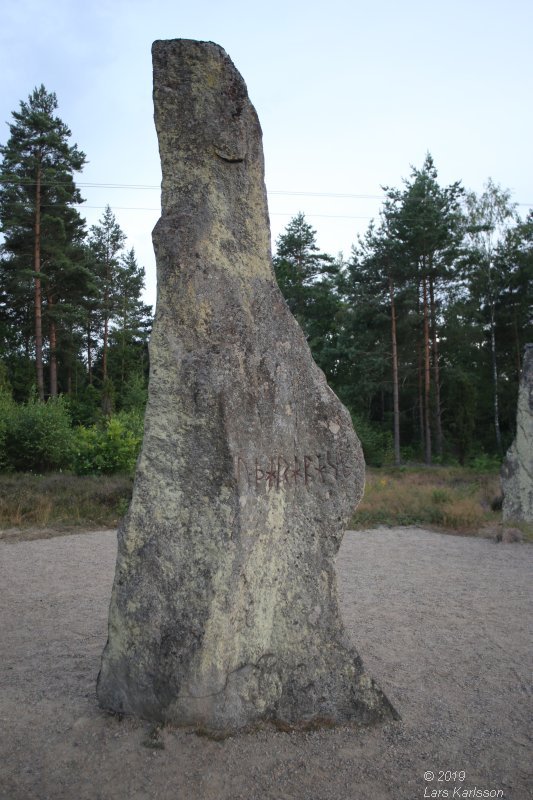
x=62, y=500
x=446, y=498
x=450, y=498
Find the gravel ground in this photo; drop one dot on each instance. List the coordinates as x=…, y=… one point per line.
x=441, y=622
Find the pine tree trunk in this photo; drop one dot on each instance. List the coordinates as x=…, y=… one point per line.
x=395, y=388
x=518, y=348
x=38, y=300
x=123, y=366
x=427, y=375
x=106, y=327
x=104, y=351
x=71, y=356
x=436, y=371
x=53, y=349
x=495, y=378
x=421, y=424
x=89, y=351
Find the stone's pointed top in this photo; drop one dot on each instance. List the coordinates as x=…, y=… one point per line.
x=210, y=144
x=180, y=45
x=224, y=609
x=190, y=54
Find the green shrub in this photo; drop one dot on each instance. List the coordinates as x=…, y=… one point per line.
x=85, y=406
x=440, y=496
x=377, y=443
x=134, y=394
x=110, y=447
x=7, y=407
x=485, y=463
x=37, y=436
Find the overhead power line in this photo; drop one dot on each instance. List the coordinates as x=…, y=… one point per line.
x=5, y=179
x=272, y=213
x=150, y=187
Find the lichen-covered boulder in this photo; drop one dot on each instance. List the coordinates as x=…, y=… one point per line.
x=224, y=606
x=517, y=470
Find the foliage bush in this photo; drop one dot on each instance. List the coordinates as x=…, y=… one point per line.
x=485, y=463
x=39, y=438
x=134, y=393
x=6, y=411
x=109, y=447
x=378, y=446
x=35, y=437
x=85, y=406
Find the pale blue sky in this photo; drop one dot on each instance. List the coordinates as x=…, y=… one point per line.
x=349, y=94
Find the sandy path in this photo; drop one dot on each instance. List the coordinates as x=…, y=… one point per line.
x=441, y=622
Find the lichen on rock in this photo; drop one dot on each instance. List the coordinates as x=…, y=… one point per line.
x=517, y=470
x=224, y=607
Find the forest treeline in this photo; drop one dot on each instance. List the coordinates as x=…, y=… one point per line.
x=73, y=326
x=420, y=330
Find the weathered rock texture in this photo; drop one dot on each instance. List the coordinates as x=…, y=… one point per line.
x=224, y=607
x=517, y=471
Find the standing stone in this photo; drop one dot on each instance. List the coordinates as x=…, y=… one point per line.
x=517, y=470
x=224, y=606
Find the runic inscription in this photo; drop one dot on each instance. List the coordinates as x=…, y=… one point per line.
x=281, y=472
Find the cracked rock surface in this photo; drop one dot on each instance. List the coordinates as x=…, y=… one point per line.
x=224, y=607
x=517, y=470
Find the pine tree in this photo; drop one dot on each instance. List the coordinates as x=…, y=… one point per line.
x=490, y=217
x=131, y=326
x=376, y=295
x=298, y=264
x=307, y=279
x=514, y=258
x=106, y=241
x=37, y=217
x=364, y=328
x=425, y=221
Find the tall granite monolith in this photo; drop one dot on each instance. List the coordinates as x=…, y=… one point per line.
x=517, y=470
x=224, y=606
